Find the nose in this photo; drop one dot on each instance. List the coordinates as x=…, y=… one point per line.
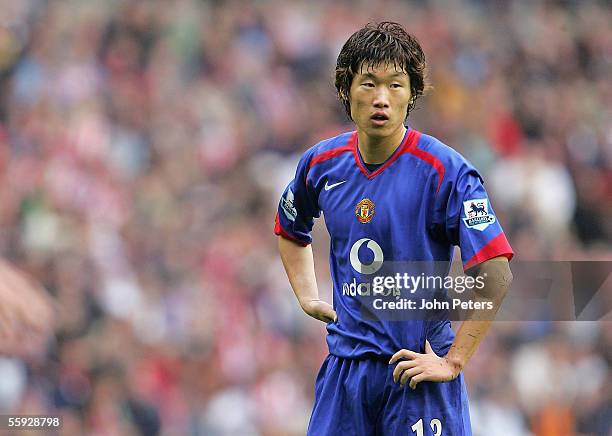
x=381, y=99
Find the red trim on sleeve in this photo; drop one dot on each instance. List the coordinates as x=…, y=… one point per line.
x=498, y=246
x=278, y=230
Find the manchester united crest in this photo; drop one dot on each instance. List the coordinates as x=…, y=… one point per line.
x=365, y=210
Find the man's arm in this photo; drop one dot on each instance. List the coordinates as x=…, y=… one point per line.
x=299, y=265
x=430, y=367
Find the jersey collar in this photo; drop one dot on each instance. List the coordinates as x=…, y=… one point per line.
x=409, y=141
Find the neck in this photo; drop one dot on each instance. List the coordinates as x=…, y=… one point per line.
x=377, y=149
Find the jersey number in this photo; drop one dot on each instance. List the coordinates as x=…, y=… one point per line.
x=435, y=424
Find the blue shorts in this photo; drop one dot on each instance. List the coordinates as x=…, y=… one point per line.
x=359, y=398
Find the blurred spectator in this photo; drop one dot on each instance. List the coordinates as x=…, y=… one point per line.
x=26, y=314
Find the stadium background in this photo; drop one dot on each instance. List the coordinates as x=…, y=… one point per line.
x=143, y=146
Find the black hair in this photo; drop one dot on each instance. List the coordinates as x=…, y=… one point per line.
x=385, y=43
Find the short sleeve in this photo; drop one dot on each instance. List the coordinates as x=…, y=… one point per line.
x=471, y=222
x=298, y=207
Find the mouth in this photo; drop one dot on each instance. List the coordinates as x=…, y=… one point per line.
x=379, y=119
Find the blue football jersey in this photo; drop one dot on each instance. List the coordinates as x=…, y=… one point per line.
x=423, y=200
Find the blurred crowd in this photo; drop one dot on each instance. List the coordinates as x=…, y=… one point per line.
x=143, y=147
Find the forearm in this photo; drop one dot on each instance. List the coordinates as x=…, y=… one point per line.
x=299, y=266
x=497, y=278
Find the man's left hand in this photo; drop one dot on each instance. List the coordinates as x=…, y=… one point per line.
x=418, y=367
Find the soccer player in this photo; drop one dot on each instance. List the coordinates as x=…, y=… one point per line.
x=389, y=194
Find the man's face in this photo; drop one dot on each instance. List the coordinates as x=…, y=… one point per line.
x=379, y=99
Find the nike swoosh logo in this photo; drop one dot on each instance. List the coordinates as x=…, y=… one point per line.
x=328, y=187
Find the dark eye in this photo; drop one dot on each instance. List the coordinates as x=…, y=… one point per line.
x=368, y=84
x=396, y=85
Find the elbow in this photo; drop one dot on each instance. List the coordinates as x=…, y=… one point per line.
x=504, y=279
x=508, y=277
x=503, y=273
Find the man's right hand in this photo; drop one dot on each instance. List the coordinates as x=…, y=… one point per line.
x=320, y=310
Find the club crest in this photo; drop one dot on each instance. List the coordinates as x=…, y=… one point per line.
x=365, y=210
x=477, y=214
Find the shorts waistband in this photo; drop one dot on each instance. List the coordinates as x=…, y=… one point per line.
x=368, y=356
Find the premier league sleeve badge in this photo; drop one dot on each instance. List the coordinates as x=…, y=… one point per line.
x=477, y=214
